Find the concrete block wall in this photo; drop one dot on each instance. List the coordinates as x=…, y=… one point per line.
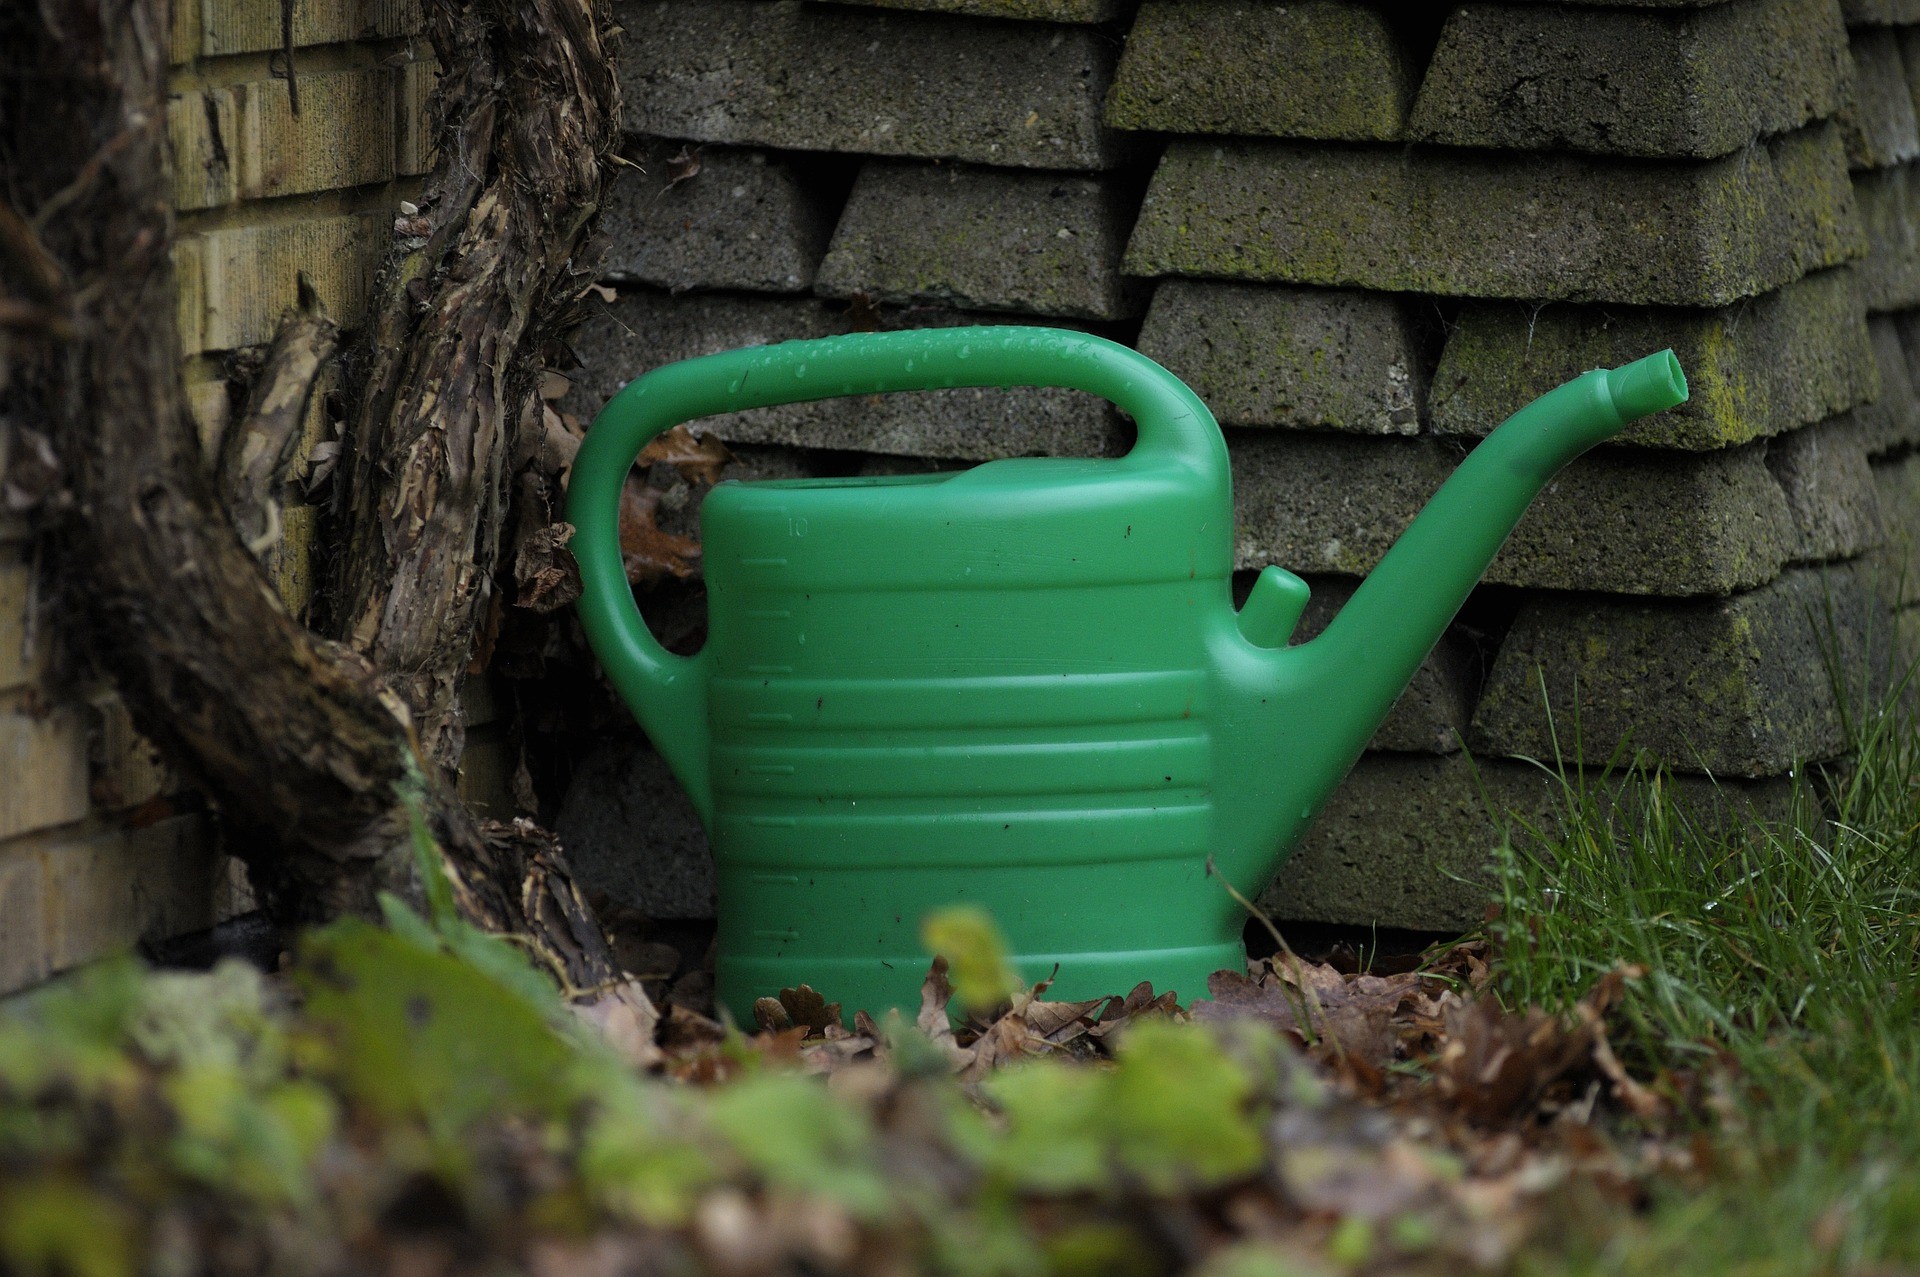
x=100, y=846
x=1365, y=233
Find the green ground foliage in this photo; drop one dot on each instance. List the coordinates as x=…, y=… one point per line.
x=1777, y=1010
x=1679, y=1049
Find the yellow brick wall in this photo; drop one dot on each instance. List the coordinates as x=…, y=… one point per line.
x=98, y=848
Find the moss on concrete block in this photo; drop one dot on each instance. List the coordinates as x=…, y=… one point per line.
x=1879, y=122
x=1681, y=83
x=645, y=328
x=1268, y=356
x=1892, y=420
x=815, y=77
x=984, y=239
x=1032, y=10
x=1410, y=842
x=742, y=219
x=1319, y=69
x=1622, y=520
x=1781, y=360
x=1479, y=224
x=1823, y=472
x=1735, y=687
x=1890, y=214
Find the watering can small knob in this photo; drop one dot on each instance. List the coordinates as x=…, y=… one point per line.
x=1273, y=608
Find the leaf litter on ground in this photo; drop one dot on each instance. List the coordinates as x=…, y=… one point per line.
x=400, y=1101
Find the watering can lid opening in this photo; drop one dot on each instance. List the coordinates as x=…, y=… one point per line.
x=857, y=481
x=1005, y=472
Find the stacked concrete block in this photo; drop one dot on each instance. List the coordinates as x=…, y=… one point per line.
x=1885, y=157
x=1366, y=234
x=1592, y=185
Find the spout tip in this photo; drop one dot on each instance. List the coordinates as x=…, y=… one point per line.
x=1647, y=386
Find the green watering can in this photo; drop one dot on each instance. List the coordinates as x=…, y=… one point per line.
x=1021, y=686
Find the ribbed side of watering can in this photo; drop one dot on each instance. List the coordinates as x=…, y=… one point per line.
x=988, y=688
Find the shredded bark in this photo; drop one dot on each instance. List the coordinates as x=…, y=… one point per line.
x=258, y=452
x=313, y=759
x=529, y=120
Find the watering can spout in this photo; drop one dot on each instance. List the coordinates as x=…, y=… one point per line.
x=1324, y=699
x=1646, y=386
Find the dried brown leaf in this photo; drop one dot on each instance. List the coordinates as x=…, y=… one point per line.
x=808, y=1009
x=544, y=572
x=699, y=457
x=771, y=1016
x=1351, y=1018
x=650, y=552
x=1140, y=1002
x=683, y=166
x=1004, y=1041
x=627, y=1020
x=1058, y=1023
x=1496, y=1065
x=935, y=992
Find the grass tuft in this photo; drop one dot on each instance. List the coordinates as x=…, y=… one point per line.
x=1780, y=1004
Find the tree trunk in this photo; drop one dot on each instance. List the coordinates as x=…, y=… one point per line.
x=529, y=110
x=316, y=754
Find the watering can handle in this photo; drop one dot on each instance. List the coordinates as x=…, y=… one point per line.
x=667, y=693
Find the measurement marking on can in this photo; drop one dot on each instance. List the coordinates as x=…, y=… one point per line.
x=763, y=563
x=769, y=669
x=772, y=822
x=770, y=614
x=776, y=880
x=771, y=769
x=776, y=935
x=769, y=718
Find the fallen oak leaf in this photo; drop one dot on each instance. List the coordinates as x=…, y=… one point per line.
x=1004, y=1041
x=770, y=1015
x=648, y=551
x=1497, y=1065
x=808, y=1009
x=700, y=457
x=1607, y=993
x=1465, y=962
x=1058, y=1023
x=545, y=576
x=1334, y=1016
x=1139, y=1003
x=933, y=1021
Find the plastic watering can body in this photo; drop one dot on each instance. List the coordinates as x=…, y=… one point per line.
x=1021, y=686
